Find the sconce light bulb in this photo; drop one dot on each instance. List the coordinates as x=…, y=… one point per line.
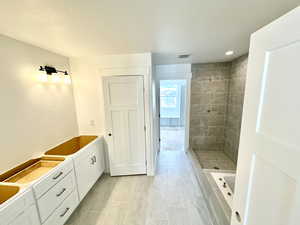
x=67, y=79
x=43, y=77
x=55, y=78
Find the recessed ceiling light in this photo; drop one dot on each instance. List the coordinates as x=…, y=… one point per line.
x=228, y=53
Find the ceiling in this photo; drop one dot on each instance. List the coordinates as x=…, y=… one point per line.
x=80, y=28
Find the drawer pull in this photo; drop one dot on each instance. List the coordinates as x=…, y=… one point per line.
x=60, y=193
x=64, y=213
x=58, y=175
x=95, y=158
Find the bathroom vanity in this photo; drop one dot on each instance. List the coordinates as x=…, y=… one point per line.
x=48, y=189
x=88, y=161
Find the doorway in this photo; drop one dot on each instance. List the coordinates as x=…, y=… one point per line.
x=173, y=102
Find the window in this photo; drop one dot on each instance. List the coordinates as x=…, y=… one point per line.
x=170, y=95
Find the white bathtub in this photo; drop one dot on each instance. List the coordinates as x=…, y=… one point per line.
x=225, y=183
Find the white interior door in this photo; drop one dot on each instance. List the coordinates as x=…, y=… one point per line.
x=268, y=172
x=124, y=107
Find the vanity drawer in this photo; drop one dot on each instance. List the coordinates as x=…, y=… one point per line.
x=63, y=212
x=55, y=196
x=52, y=178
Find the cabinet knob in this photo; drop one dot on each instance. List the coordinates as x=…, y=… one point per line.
x=92, y=160
x=109, y=134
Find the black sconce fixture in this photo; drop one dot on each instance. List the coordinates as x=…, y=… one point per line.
x=50, y=70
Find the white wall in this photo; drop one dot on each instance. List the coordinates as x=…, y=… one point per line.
x=173, y=69
x=87, y=85
x=34, y=116
x=87, y=82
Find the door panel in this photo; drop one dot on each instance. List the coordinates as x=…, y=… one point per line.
x=120, y=154
x=124, y=110
x=123, y=94
x=134, y=144
x=268, y=172
x=280, y=196
x=277, y=101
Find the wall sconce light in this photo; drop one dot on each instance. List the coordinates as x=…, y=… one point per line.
x=51, y=73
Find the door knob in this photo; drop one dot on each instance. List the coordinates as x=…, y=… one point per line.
x=109, y=134
x=238, y=216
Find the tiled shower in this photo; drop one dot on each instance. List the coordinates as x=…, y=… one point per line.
x=217, y=95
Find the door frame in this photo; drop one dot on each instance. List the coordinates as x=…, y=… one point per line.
x=146, y=72
x=178, y=76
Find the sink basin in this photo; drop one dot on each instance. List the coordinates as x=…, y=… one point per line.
x=31, y=170
x=71, y=146
x=7, y=191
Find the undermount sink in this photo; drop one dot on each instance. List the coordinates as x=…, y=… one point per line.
x=7, y=191
x=71, y=146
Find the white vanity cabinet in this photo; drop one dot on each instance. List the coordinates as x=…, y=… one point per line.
x=20, y=210
x=51, y=198
x=28, y=217
x=52, y=178
x=89, y=165
x=56, y=195
x=64, y=211
x=53, y=193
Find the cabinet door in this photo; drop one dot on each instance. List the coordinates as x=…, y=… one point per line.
x=89, y=167
x=29, y=217
x=98, y=155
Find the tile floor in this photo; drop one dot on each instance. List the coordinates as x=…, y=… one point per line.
x=172, y=197
x=172, y=138
x=213, y=159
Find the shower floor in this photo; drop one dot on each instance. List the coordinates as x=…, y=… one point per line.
x=215, y=160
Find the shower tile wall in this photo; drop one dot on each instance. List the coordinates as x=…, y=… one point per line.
x=235, y=106
x=217, y=95
x=209, y=92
